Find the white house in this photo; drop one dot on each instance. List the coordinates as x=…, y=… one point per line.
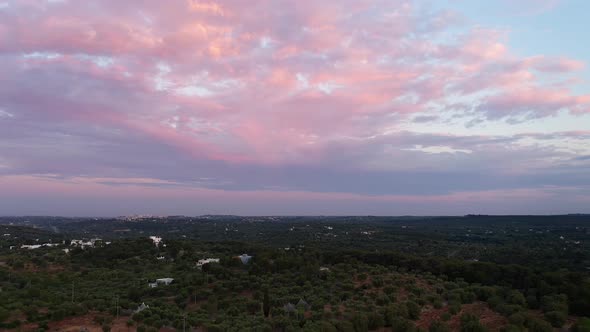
x=31, y=246
x=83, y=244
x=156, y=240
x=37, y=246
x=202, y=262
x=245, y=258
x=165, y=281
x=142, y=307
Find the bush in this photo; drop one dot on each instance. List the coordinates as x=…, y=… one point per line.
x=555, y=303
x=4, y=314
x=495, y=301
x=398, y=310
x=377, y=282
x=508, y=309
x=516, y=297
x=484, y=293
x=375, y=320
x=532, y=302
x=517, y=319
x=382, y=300
x=556, y=318
x=512, y=328
x=360, y=322
x=454, y=309
x=44, y=325
x=438, y=326
x=413, y=310
x=582, y=325
x=402, y=324
x=537, y=325
x=345, y=326
x=437, y=303
x=327, y=327
x=470, y=323
x=389, y=290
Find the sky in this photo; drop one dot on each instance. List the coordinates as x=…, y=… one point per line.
x=284, y=107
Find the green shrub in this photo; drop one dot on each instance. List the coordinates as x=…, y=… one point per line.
x=582, y=325
x=402, y=324
x=517, y=319
x=438, y=326
x=556, y=318
x=537, y=325
x=413, y=310
x=454, y=309
x=512, y=328
x=470, y=323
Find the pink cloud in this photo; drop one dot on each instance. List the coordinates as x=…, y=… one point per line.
x=562, y=64
x=328, y=67
x=323, y=86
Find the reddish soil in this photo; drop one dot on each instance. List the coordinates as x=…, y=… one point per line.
x=76, y=323
x=328, y=308
x=488, y=318
x=424, y=285
x=192, y=306
x=247, y=294
x=401, y=295
x=358, y=283
x=429, y=315
x=49, y=268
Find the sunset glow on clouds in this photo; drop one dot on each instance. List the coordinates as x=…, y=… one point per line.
x=289, y=107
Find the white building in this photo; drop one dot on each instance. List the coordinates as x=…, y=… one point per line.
x=37, y=246
x=165, y=281
x=142, y=307
x=245, y=258
x=84, y=244
x=202, y=262
x=156, y=240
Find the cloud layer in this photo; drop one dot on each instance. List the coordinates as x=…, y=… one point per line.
x=366, y=100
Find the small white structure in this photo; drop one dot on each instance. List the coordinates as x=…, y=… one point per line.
x=202, y=262
x=37, y=246
x=142, y=307
x=156, y=240
x=245, y=258
x=152, y=284
x=31, y=246
x=84, y=244
x=165, y=281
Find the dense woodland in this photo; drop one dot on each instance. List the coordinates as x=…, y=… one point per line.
x=473, y=273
